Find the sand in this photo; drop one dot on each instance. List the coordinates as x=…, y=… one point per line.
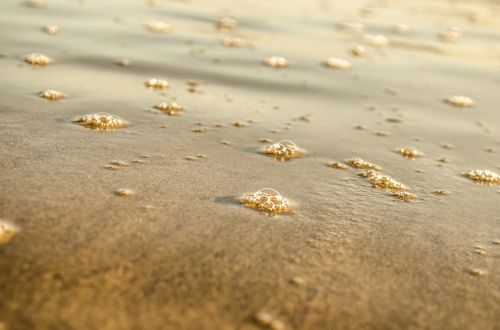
x=178, y=251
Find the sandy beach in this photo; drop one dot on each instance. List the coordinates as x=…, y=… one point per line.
x=141, y=227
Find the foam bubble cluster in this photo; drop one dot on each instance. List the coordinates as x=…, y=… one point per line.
x=382, y=181
x=276, y=62
x=269, y=201
x=52, y=29
x=358, y=51
x=226, y=24
x=483, y=176
x=337, y=63
x=409, y=152
x=37, y=59
x=404, y=195
x=337, y=165
x=357, y=162
x=451, y=34
x=7, y=231
x=171, y=109
x=100, y=120
x=460, y=101
x=234, y=42
x=283, y=150
x=155, y=83
x=51, y=95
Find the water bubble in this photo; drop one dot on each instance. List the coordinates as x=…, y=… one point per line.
x=155, y=83
x=269, y=201
x=483, y=176
x=7, y=231
x=283, y=150
x=337, y=63
x=460, y=101
x=123, y=62
x=409, y=152
x=51, y=95
x=158, y=27
x=275, y=62
x=357, y=162
x=37, y=59
x=401, y=29
x=172, y=109
x=101, y=121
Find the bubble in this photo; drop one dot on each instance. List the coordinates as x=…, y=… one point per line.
x=451, y=34
x=51, y=29
x=357, y=162
x=283, y=150
x=460, y=101
x=409, y=152
x=269, y=201
x=155, y=83
x=404, y=195
x=483, y=176
x=124, y=192
x=51, y=95
x=226, y=24
x=358, y=51
x=376, y=40
x=276, y=62
x=172, y=109
x=101, y=121
x=337, y=63
x=199, y=130
x=234, y=42
x=193, y=82
x=158, y=27
x=337, y=165
x=7, y=231
x=37, y=59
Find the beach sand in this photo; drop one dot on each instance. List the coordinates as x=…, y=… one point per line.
x=180, y=252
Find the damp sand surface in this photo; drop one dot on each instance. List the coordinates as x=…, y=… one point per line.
x=180, y=252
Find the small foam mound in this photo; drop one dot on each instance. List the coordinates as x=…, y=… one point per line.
x=100, y=120
x=409, y=152
x=337, y=63
x=7, y=231
x=284, y=150
x=483, y=176
x=226, y=24
x=172, y=109
x=383, y=181
x=158, y=27
x=357, y=162
x=460, y=101
x=269, y=201
x=51, y=95
x=37, y=59
x=234, y=42
x=404, y=195
x=155, y=83
x=376, y=40
x=276, y=62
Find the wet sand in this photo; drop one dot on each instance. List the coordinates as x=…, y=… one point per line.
x=181, y=252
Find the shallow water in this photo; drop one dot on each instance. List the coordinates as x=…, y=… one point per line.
x=181, y=252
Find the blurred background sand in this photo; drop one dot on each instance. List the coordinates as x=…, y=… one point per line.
x=181, y=253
